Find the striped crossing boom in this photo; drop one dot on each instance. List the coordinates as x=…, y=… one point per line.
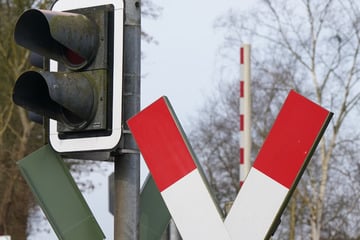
x=245, y=112
x=267, y=189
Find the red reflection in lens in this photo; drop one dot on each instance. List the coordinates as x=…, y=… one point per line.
x=73, y=57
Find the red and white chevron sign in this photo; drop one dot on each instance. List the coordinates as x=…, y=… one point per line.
x=171, y=163
x=263, y=196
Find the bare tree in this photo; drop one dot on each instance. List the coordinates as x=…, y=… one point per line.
x=149, y=10
x=18, y=135
x=312, y=47
x=215, y=140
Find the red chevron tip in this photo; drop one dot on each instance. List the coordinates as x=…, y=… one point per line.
x=162, y=143
x=292, y=139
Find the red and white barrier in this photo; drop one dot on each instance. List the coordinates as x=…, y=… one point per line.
x=245, y=113
x=172, y=165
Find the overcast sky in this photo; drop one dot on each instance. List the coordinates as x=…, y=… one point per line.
x=181, y=67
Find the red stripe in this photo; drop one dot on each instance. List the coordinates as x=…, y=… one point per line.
x=292, y=139
x=242, y=90
x=242, y=122
x=162, y=143
x=242, y=55
x=242, y=160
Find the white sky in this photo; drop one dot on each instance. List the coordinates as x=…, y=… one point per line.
x=180, y=67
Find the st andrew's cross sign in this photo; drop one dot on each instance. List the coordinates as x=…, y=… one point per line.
x=267, y=189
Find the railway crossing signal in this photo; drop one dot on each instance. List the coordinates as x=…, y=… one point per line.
x=81, y=90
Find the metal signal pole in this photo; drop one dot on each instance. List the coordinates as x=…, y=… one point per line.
x=127, y=160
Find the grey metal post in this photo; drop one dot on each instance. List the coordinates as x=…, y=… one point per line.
x=127, y=160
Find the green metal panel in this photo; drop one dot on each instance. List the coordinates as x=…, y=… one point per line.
x=58, y=196
x=154, y=215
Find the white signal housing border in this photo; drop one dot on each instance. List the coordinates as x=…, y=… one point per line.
x=100, y=143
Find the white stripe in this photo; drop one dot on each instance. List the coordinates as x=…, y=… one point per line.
x=242, y=139
x=242, y=106
x=241, y=72
x=243, y=173
x=193, y=210
x=255, y=207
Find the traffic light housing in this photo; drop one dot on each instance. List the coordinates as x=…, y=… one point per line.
x=80, y=91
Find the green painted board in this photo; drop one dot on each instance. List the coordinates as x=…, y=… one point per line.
x=58, y=196
x=154, y=215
